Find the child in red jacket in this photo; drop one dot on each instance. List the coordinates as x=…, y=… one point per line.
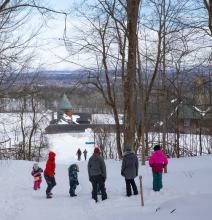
x=49, y=173
x=157, y=161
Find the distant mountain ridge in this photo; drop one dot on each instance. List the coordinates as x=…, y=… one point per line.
x=61, y=71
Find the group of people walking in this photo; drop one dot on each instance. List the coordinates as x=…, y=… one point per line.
x=97, y=172
x=79, y=153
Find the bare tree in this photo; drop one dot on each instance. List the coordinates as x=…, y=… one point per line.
x=18, y=47
x=130, y=91
x=111, y=35
x=163, y=27
x=208, y=6
x=32, y=126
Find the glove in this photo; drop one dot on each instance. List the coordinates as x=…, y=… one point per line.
x=77, y=182
x=122, y=174
x=54, y=173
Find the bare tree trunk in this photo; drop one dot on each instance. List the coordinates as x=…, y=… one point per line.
x=178, y=138
x=4, y=5
x=177, y=119
x=130, y=92
x=33, y=126
x=118, y=133
x=23, y=131
x=164, y=82
x=210, y=59
x=208, y=5
x=141, y=126
x=200, y=137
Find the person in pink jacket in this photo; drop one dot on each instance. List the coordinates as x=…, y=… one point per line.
x=36, y=173
x=157, y=161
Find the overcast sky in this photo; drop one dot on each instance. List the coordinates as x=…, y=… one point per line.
x=59, y=4
x=54, y=35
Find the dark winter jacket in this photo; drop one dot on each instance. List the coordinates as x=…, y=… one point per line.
x=72, y=172
x=85, y=152
x=37, y=173
x=79, y=152
x=129, y=165
x=50, y=165
x=96, y=166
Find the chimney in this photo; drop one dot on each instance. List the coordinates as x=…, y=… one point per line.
x=52, y=115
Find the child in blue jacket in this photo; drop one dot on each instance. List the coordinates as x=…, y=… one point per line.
x=73, y=179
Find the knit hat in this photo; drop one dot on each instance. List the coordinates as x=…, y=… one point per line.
x=156, y=147
x=96, y=150
x=35, y=166
x=128, y=148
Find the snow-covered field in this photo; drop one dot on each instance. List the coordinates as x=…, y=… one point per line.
x=187, y=189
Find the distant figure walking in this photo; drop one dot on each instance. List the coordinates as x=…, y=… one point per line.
x=79, y=153
x=129, y=170
x=97, y=174
x=157, y=161
x=49, y=173
x=85, y=153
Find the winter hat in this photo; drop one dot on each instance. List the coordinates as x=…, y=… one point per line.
x=96, y=150
x=156, y=147
x=35, y=166
x=128, y=148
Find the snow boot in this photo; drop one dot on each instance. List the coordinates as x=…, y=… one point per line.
x=73, y=195
x=34, y=189
x=48, y=196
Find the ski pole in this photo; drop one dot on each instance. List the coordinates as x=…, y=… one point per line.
x=141, y=190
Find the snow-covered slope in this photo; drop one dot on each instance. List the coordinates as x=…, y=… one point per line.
x=187, y=188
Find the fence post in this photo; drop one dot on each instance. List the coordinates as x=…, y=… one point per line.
x=141, y=190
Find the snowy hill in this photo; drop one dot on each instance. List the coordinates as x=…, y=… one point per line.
x=187, y=191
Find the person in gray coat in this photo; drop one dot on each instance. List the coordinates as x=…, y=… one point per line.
x=129, y=170
x=97, y=174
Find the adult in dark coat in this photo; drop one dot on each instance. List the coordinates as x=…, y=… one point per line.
x=97, y=174
x=85, y=153
x=49, y=173
x=79, y=153
x=129, y=170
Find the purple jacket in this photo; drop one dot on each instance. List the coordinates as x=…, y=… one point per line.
x=37, y=172
x=158, y=161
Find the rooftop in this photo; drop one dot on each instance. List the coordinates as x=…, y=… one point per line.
x=64, y=104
